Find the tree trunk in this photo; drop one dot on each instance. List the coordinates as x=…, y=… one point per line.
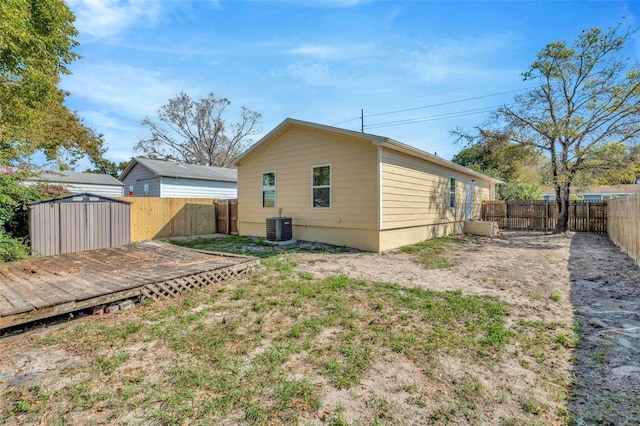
x=562, y=204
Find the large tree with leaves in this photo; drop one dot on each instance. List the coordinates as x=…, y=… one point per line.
x=195, y=132
x=587, y=101
x=37, y=38
x=493, y=153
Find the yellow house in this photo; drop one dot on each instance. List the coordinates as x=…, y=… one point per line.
x=355, y=189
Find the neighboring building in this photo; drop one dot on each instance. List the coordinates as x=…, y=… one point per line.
x=354, y=189
x=155, y=178
x=94, y=183
x=596, y=193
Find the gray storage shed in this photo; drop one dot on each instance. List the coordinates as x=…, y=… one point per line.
x=78, y=222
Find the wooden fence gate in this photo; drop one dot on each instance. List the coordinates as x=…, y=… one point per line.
x=227, y=216
x=584, y=216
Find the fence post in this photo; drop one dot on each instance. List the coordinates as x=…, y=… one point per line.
x=228, y=217
x=215, y=216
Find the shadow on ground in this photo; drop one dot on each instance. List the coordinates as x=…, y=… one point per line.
x=259, y=247
x=605, y=294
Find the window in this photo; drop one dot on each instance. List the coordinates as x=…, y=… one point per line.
x=146, y=190
x=592, y=197
x=321, y=186
x=269, y=189
x=452, y=193
x=130, y=190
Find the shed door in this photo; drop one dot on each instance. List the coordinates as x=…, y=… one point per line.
x=84, y=226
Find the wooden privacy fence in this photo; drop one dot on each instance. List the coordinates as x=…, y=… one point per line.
x=584, y=216
x=154, y=217
x=623, y=224
x=227, y=216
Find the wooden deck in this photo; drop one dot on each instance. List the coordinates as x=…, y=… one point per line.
x=44, y=287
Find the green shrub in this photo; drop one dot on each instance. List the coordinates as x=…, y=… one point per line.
x=12, y=249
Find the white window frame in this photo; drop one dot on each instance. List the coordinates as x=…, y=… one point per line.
x=313, y=187
x=452, y=192
x=269, y=188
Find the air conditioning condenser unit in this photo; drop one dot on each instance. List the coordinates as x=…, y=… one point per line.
x=279, y=229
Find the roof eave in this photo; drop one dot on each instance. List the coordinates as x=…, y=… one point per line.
x=415, y=152
x=289, y=122
x=128, y=169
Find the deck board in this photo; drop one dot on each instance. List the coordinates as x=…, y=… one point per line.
x=47, y=286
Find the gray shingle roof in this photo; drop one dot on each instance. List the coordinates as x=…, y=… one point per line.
x=187, y=171
x=81, y=178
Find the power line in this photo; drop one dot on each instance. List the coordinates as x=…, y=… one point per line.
x=346, y=121
x=431, y=118
x=449, y=102
x=430, y=106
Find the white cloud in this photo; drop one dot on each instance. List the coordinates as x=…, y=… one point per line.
x=113, y=99
x=107, y=18
x=462, y=59
x=312, y=73
x=333, y=3
x=131, y=91
x=334, y=52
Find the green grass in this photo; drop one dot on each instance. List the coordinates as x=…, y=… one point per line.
x=436, y=253
x=254, y=352
x=227, y=244
x=252, y=246
x=556, y=297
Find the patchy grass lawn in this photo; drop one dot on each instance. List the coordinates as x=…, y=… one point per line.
x=280, y=346
x=258, y=247
x=434, y=253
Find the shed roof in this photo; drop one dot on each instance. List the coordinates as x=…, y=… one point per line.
x=80, y=178
x=181, y=170
x=84, y=197
x=374, y=139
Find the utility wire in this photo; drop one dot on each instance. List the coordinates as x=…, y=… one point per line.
x=434, y=105
x=447, y=103
x=431, y=118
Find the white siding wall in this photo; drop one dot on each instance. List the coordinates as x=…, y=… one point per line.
x=104, y=190
x=195, y=188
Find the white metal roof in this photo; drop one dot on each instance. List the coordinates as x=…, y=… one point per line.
x=80, y=178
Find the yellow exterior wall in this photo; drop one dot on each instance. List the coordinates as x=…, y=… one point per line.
x=415, y=200
x=362, y=239
x=352, y=219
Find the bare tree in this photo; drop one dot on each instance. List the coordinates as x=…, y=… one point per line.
x=587, y=104
x=194, y=132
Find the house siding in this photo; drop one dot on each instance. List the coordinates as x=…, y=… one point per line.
x=196, y=188
x=175, y=187
x=104, y=190
x=137, y=177
x=415, y=199
x=351, y=219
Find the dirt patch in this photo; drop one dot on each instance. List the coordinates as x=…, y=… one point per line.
x=548, y=282
x=605, y=294
x=580, y=278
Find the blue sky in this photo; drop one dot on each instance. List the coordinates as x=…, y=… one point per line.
x=441, y=65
